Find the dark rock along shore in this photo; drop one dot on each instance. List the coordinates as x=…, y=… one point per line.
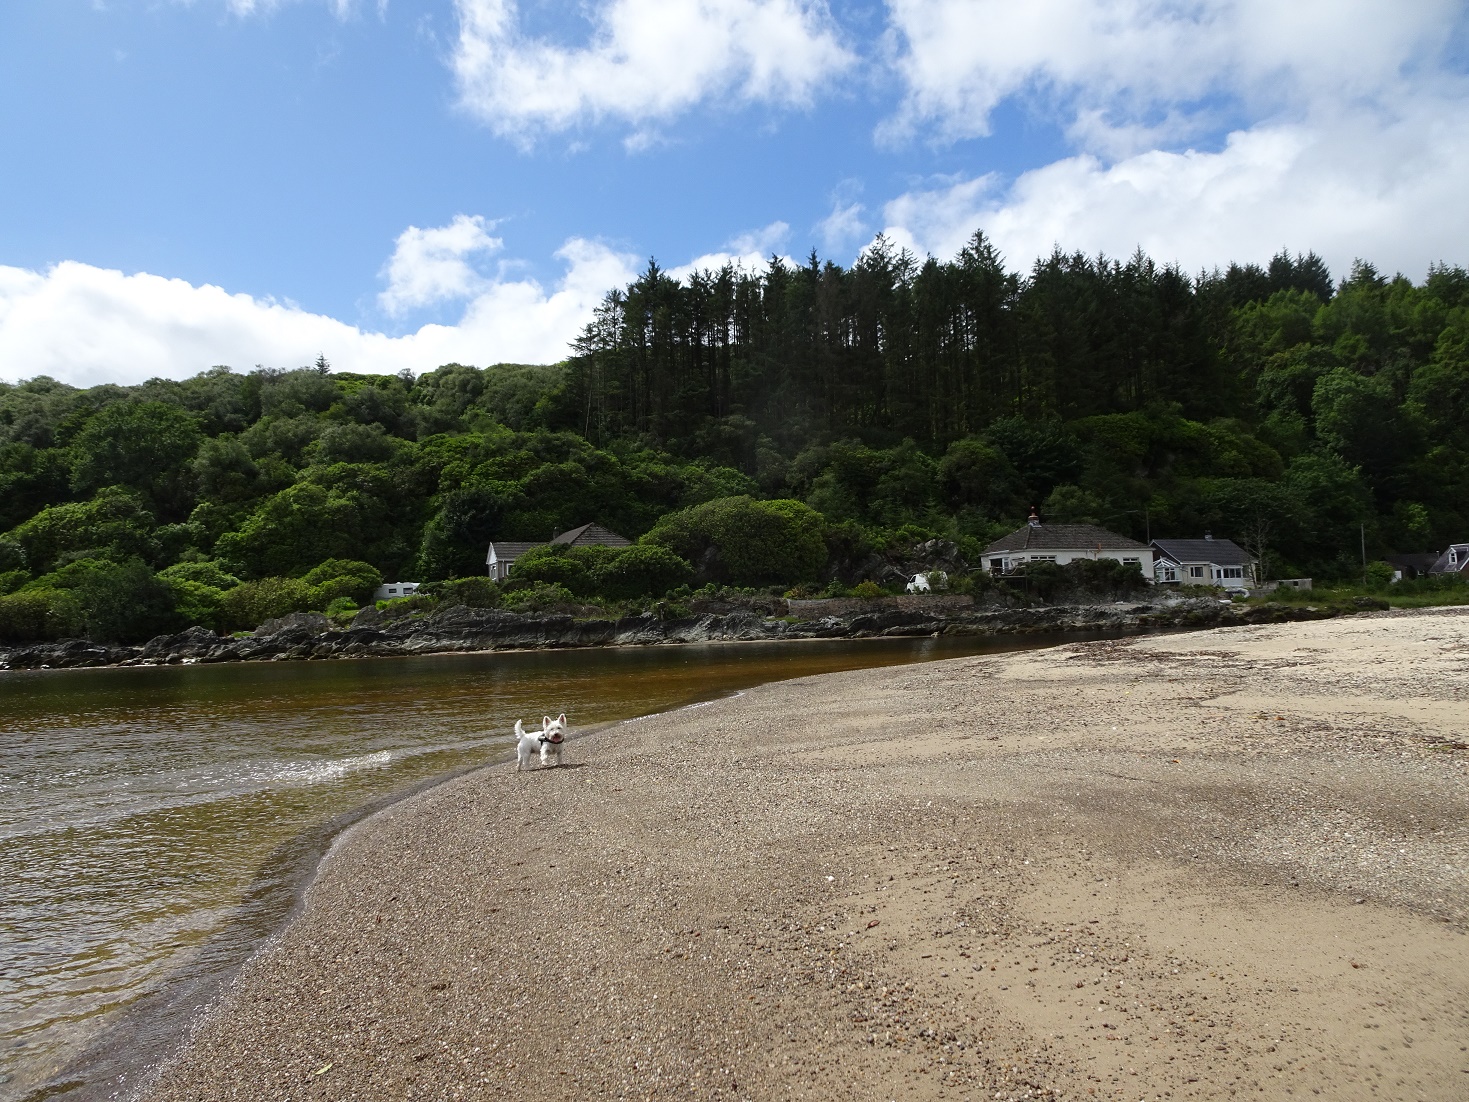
x=310, y=635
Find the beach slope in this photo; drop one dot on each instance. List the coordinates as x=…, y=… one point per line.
x=1227, y=863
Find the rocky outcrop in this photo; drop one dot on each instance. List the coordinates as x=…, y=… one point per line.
x=311, y=636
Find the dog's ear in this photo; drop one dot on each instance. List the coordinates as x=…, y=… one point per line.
x=545, y=721
x=562, y=719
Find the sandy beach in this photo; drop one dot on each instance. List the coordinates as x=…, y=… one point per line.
x=1231, y=863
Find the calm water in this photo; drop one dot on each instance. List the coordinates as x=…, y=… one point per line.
x=155, y=823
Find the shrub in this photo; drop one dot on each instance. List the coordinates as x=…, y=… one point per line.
x=744, y=542
x=395, y=608
x=11, y=580
x=37, y=615
x=196, y=602
x=477, y=592
x=119, y=602
x=867, y=590
x=211, y=573
x=1083, y=578
x=343, y=578
x=561, y=566
x=540, y=597
x=644, y=570
x=252, y=603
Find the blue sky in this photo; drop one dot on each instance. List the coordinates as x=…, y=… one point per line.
x=398, y=183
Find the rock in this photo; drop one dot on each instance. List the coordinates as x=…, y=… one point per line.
x=313, y=622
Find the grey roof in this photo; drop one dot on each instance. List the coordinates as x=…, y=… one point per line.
x=1064, y=537
x=1422, y=562
x=589, y=534
x=508, y=550
x=1442, y=565
x=1219, y=552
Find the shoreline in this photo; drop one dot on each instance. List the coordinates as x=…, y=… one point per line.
x=340, y=904
x=309, y=637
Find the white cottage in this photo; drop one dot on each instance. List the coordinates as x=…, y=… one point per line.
x=1205, y=562
x=1061, y=544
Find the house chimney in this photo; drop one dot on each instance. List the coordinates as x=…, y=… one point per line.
x=1208, y=535
x=1034, y=519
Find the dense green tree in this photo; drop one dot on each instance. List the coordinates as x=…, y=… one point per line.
x=744, y=542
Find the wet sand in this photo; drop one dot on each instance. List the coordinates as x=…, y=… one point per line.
x=1228, y=863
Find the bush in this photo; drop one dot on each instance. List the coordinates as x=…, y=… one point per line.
x=744, y=542
x=867, y=590
x=477, y=592
x=252, y=603
x=644, y=570
x=1083, y=578
x=38, y=615
x=395, y=608
x=196, y=602
x=119, y=602
x=11, y=580
x=568, y=567
x=211, y=573
x=343, y=578
x=540, y=597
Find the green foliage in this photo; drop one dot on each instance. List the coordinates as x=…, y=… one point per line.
x=113, y=524
x=294, y=529
x=472, y=592
x=147, y=446
x=743, y=542
x=1083, y=579
x=250, y=604
x=540, y=597
x=37, y=615
x=343, y=578
x=1378, y=575
x=643, y=570
x=867, y=590
x=891, y=397
x=119, y=602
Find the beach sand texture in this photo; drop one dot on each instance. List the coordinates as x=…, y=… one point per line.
x=1224, y=864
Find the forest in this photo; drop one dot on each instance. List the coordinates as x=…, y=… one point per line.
x=772, y=427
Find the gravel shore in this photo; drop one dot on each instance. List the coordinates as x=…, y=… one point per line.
x=1227, y=863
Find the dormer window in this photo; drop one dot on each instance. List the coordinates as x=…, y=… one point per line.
x=1453, y=556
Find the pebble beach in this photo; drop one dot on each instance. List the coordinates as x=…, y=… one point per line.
x=1228, y=863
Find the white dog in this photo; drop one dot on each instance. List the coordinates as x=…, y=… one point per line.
x=548, y=740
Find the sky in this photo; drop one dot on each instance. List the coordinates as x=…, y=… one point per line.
x=397, y=184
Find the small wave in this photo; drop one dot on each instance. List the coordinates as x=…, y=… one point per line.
x=318, y=772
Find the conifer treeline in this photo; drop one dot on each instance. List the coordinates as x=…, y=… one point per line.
x=892, y=348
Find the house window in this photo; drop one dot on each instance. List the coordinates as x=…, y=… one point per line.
x=1043, y=558
x=1134, y=562
x=997, y=565
x=1167, y=573
x=1232, y=572
x=1196, y=572
x=1453, y=556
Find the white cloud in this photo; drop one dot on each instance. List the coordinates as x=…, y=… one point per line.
x=842, y=225
x=751, y=250
x=646, y=61
x=87, y=325
x=432, y=266
x=342, y=8
x=1130, y=73
x=1385, y=188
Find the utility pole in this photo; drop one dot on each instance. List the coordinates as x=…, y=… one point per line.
x=1364, y=554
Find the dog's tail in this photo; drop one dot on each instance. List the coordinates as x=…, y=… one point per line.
x=519, y=729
